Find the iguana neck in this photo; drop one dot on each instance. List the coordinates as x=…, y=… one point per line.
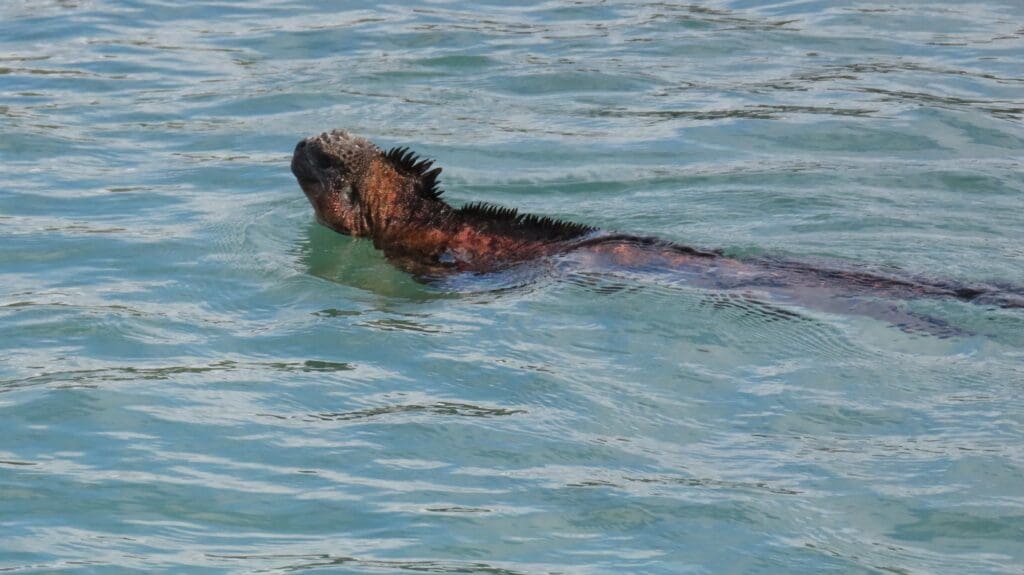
x=404, y=227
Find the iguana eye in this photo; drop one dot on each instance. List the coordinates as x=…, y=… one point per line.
x=322, y=160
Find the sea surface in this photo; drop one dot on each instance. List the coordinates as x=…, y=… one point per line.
x=196, y=377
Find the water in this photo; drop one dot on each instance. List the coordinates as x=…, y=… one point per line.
x=196, y=377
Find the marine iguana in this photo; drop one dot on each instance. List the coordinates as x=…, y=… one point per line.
x=393, y=198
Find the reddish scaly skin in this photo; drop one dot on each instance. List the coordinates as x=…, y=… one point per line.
x=390, y=197
x=422, y=233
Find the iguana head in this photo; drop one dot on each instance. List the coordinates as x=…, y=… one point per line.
x=356, y=188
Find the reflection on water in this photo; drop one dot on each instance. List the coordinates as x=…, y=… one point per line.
x=196, y=377
x=355, y=263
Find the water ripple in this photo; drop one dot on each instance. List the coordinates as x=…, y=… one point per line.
x=195, y=376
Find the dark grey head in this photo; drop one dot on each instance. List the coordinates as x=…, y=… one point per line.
x=358, y=189
x=330, y=168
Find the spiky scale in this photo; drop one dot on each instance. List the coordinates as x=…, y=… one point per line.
x=500, y=218
x=412, y=165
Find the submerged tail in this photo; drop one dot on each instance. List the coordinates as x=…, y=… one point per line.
x=819, y=286
x=860, y=283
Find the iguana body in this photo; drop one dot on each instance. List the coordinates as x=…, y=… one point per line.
x=393, y=199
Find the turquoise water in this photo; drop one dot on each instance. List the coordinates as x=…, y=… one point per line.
x=195, y=377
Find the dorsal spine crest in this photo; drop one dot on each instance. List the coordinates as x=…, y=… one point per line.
x=410, y=164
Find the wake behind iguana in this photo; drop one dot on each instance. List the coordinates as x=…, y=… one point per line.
x=393, y=198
